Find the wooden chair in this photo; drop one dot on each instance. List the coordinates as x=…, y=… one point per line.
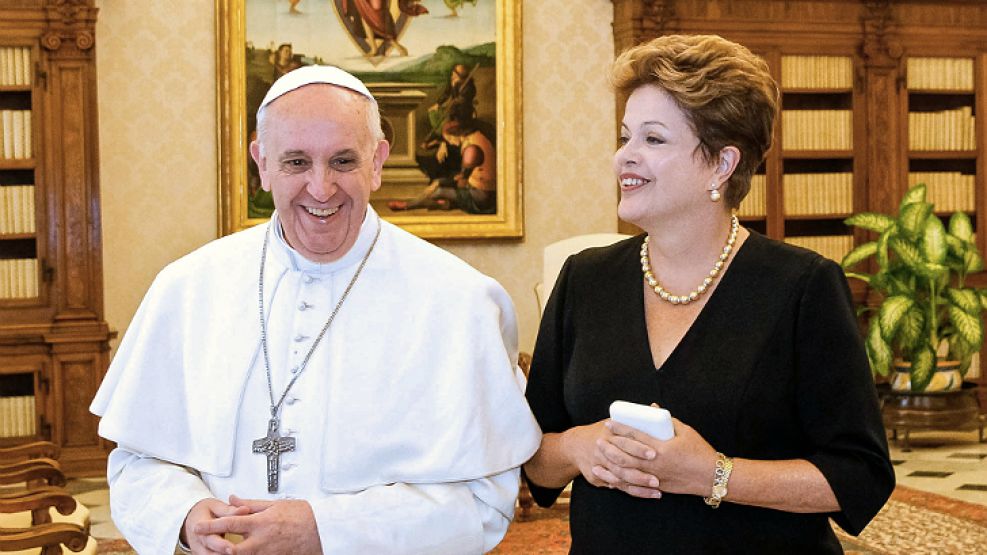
x=46, y=539
x=32, y=450
x=39, y=517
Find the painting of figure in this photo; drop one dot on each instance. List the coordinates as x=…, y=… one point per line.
x=445, y=75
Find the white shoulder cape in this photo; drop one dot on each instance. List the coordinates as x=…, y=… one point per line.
x=422, y=380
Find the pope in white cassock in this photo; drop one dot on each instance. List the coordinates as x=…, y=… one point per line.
x=327, y=382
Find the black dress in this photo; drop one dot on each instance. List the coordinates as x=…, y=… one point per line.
x=773, y=368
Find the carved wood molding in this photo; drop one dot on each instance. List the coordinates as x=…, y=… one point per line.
x=880, y=47
x=638, y=20
x=69, y=22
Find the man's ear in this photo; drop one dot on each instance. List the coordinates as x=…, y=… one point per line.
x=381, y=153
x=261, y=160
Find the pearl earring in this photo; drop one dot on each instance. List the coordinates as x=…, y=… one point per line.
x=714, y=193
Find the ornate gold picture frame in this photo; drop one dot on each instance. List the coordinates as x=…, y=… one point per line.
x=447, y=77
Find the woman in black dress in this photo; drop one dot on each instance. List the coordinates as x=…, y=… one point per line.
x=751, y=344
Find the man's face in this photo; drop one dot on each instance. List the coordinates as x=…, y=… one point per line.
x=320, y=161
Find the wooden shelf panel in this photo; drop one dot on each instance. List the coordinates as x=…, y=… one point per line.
x=17, y=164
x=817, y=154
x=943, y=154
x=943, y=92
x=809, y=217
x=813, y=90
x=15, y=88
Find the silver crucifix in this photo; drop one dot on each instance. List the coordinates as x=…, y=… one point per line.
x=273, y=445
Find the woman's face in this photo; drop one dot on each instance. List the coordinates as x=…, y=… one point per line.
x=660, y=171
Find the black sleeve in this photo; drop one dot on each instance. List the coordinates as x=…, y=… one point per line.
x=837, y=400
x=545, y=381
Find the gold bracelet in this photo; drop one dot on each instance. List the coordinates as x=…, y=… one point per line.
x=724, y=466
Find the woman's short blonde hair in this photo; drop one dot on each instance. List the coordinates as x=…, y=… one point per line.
x=726, y=92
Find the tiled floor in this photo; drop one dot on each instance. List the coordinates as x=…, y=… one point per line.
x=952, y=464
x=945, y=463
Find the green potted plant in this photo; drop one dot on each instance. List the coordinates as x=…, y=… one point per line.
x=921, y=273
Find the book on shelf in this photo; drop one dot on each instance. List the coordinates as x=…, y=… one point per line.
x=953, y=129
x=816, y=72
x=948, y=191
x=18, y=278
x=15, y=65
x=754, y=204
x=954, y=74
x=817, y=129
x=17, y=416
x=818, y=193
x=17, y=209
x=15, y=133
x=834, y=247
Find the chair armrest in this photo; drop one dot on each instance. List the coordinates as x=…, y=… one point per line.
x=43, y=535
x=32, y=450
x=41, y=498
x=44, y=472
x=524, y=362
x=7, y=467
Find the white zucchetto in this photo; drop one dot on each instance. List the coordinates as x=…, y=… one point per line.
x=308, y=75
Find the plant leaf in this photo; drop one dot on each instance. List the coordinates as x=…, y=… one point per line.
x=962, y=351
x=923, y=365
x=912, y=218
x=982, y=293
x=866, y=278
x=907, y=252
x=913, y=195
x=934, y=247
x=870, y=220
x=892, y=309
x=969, y=327
x=911, y=328
x=956, y=245
x=966, y=299
x=972, y=261
x=878, y=351
x=961, y=227
x=932, y=271
x=860, y=253
x=882, y=246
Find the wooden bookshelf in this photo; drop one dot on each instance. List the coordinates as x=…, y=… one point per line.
x=54, y=341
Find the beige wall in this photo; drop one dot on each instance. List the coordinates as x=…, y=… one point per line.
x=157, y=92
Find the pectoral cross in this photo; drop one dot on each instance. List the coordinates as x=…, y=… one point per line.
x=273, y=445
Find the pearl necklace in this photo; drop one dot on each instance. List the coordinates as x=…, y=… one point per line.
x=697, y=292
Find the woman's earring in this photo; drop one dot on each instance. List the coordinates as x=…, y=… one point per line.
x=714, y=193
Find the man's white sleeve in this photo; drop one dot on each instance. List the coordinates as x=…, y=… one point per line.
x=455, y=518
x=149, y=499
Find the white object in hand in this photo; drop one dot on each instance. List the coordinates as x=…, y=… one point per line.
x=653, y=421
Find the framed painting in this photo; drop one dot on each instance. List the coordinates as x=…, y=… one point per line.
x=447, y=78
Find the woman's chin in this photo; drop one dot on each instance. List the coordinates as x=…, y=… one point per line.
x=631, y=214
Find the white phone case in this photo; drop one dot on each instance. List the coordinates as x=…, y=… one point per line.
x=653, y=421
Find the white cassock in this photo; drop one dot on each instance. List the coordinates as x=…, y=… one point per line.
x=409, y=419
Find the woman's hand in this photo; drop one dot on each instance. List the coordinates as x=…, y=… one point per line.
x=585, y=447
x=684, y=464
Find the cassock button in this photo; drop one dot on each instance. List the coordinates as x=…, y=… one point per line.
x=291, y=400
x=303, y=306
x=308, y=279
x=294, y=369
x=288, y=466
x=299, y=338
